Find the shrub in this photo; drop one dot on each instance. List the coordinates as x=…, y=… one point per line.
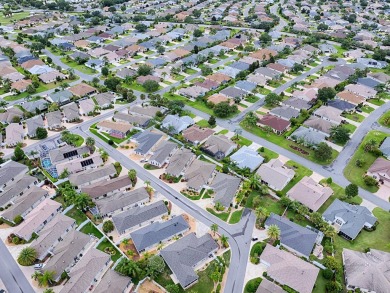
x=327, y=274
x=18, y=219
x=110, y=142
x=370, y=181
x=15, y=240
x=108, y=226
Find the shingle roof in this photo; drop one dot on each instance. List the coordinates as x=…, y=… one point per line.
x=146, y=141
x=92, y=174
x=354, y=216
x=163, y=151
x=245, y=157
x=293, y=235
x=269, y=287
x=103, y=187
x=14, y=189
x=138, y=215
x=158, y=232
x=225, y=188
x=182, y=255
x=179, y=161
x=112, y=282
x=33, y=124
x=275, y=174
x=9, y=170
x=199, y=173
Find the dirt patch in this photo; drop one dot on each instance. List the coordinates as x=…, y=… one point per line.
x=191, y=221
x=130, y=247
x=149, y=287
x=4, y=226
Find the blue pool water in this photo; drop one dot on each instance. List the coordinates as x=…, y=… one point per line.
x=46, y=163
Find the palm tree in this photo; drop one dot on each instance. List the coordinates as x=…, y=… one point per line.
x=273, y=232
x=133, y=269
x=224, y=240
x=329, y=231
x=261, y=213
x=27, y=256
x=90, y=143
x=36, y=275
x=255, y=181
x=46, y=279
x=83, y=201
x=250, y=119
x=125, y=241
x=132, y=176
x=104, y=155
x=214, y=227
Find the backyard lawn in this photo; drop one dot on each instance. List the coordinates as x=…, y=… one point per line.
x=78, y=215
x=104, y=244
x=235, y=217
x=354, y=173
x=89, y=228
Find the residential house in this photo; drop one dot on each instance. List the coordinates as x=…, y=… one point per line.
x=285, y=112
x=52, y=234
x=175, y=124
x=297, y=239
x=186, y=254
x=308, y=136
x=278, y=125
x=179, y=161
x=87, y=271
x=329, y=114
x=163, y=153
x=361, y=90
x=113, y=282
x=380, y=170
x=10, y=172
x=67, y=153
x=275, y=174
x=147, y=238
x=385, y=148
x=137, y=120
x=35, y=106
x=90, y=176
x=246, y=157
x=104, y=188
x=148, y=111
x=139, y=216
x=60, y=97
x=287, y=269
x=71, y=112
x=37, y=219
x=14, y=134
x=54, y=120
x=269, y=287
x=33, y=124
x=115, y=129
x=87, y=107
x=199, y=174
x=234, y=93
x=341, y=105
x=52, y=76
x=82, y=89
x=193, y=92
x=219, y=146
x=16, y=187
x=12, y=114
x=147, y=141
x=121, y=201
x=225, y=188
x=197, y=135
x=319, y=124
x=66, y=253
x=104, y=100
x=366, y=271
x=297, y=103
x=348, y=219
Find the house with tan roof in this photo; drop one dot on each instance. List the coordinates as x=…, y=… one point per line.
x=14, y=134
x=105, y=187
x=21, y=86
x=219, y=78
x=115, y=129
x=329, y=114
x=287, y=269
x=31, y=63
x=310, y=193
x=82, y=89
x=199, y=174
x=37, y=219
x=179, y=161
x=361, y=90
x=87, y=106
x=197, y=135
x=380, y=170
x=275, y=174
x=367, y=271
x=219, y=146
x=319, y=124
x=263, y=54
x=51, y=76
x=350, y=97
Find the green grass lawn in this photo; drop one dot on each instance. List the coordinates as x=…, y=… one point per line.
x=178, y=77
x=354, y=173
x=367, y=109
x=15, y=17
x=300, y=172
x=350, y=127
x=320, y=284
x=190, y=71
x=101, y=136
x=338, y=192
x=223, y=216
x=263, y=91
x=384, y=120
x=213, y=61
x=204, y=123
x=149, y=52
x=340, y=51
x=255, y=283
x=223, y=131
x=354, y=117
x=378, y=239
x=78, y=215
x=235, y=217
x=241, y=140
x=281, y=141
x=89, y=228
x=80, y=67
x=79, y=141
x=252, y=99
x=104, y=244
x=377, y=102
x=137, y=87
x=267, y=154
x=267, y=202
x=195, y=104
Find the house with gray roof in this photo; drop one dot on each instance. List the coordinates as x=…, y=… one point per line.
x=367, y=271
x=87, y=271
x=179, y=161
x=218, y=146
x=230, y=71
x=10, y=172
x=162, y=154
x=349, y=219
x=342, y=105
x=137, y=120
x=246, y=85
x=52, y=234
x=25, y=203
x=308, y=136
x=71, y=112
x=17, y=188
x=175, y=124
x=104, y=100
x=299, y=240
x=297, y=103
x=269, y=287
x=146, y=141
x=67, y=252
x=126, y=72
x=61, y=97
x=275, y=174
x=91, y=176
x=225, y=188
x=139, y=216
x=146, y=238
x=32, y=106
x=54, y=120
x=121, y=201
x=199, y=174
x=149, y=111
x=246, y=157
x=233, y=93
x=285, y=112
x=113, y=282
x=33, y=124
x=187, y=253
x=385, y=148
x=105, y=188
x=67, y=153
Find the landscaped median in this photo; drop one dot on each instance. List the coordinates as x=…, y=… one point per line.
x=363, y=158
x=289, y=145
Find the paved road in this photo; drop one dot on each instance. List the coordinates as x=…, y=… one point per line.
x=239, y=234
x=11, y=274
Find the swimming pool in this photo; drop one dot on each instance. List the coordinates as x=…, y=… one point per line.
x=46, y=163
